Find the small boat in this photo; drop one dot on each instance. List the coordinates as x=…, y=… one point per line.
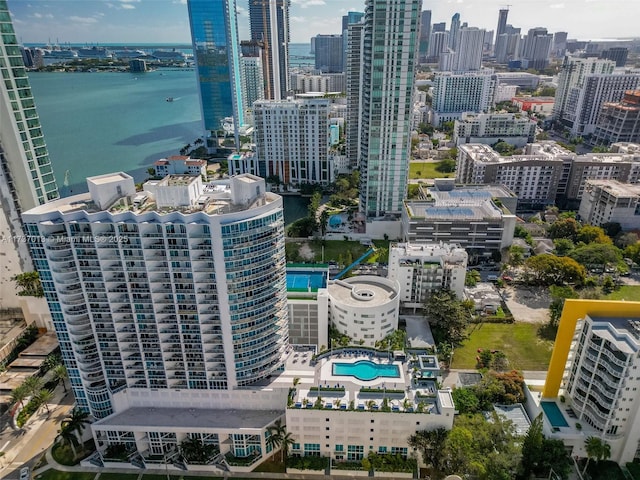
x=169, y=99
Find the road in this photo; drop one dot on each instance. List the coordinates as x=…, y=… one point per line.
x=23, y=447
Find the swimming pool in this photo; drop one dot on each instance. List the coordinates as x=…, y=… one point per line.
x=305, y=281
x=366, y=370
x=553, y=413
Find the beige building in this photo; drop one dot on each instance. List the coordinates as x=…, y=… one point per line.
x=606, y=201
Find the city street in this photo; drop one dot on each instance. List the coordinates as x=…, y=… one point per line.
x=23, y=447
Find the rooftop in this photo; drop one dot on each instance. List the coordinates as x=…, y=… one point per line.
x=365, y=291
x=404, y=387
x=616, y=188
x=191, y=418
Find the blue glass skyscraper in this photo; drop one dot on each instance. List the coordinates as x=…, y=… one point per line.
x=214, y=33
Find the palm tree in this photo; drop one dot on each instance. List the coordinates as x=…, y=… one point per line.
x=324, y=220
x=75, y=422
x=19, y=394
x=44, y=396
x=596, y=448
x=280, y=438
x=60, y=374
x=33, y=385
x=67, y=436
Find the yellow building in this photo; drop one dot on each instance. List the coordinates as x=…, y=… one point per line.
x=595, y=366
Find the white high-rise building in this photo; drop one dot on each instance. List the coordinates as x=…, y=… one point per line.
x=438, y=43
x=252, y=82
x=572, y=74
x=390, y=41
x=469, y=45
x=353, y=80
x=172, y=298
x=536, y=48
x=292, y=139
x=422, y=268
x=585, y=100
x=455, y=93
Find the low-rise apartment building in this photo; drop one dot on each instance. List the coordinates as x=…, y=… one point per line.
x=489, y=128
x=605, y=201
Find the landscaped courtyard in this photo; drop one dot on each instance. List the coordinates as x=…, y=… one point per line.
x=418, y=170
x=520, y=342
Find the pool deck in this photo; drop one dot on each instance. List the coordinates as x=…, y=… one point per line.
x=402, y=394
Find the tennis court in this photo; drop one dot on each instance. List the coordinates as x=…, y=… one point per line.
x=306, y=281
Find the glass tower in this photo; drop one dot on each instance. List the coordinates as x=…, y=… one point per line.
x=269, y=20
x=26, y=167
x=214, y=33
x=389, y=50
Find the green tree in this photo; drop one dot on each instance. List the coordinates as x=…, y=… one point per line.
x=558, y=296
x=447, y=165
x=19, y=394
x=465, y=400
x=472, y=278
x=447, y=316
x=28, y=284
x=626, y=240
x=540, y=455
x=44, y=397
x=33, y=385
x=565, y=228
x=280, y=438
x=563, y=246
x=548, y=270
x=596, y=449
x=592, y=234
x=67, y=436
x=430, y=444
x=597, y=254
x=521, y=232
x=633, y=252
x=324, y=220
x=60, y=374
x=196, y=451
x=612, y=229
x=516, y=255
x=76, y=421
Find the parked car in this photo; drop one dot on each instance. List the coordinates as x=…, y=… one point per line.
x=24, y=473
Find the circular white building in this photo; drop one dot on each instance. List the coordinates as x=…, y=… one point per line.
x=364, y=307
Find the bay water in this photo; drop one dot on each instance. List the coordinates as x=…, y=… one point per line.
x=102, y=122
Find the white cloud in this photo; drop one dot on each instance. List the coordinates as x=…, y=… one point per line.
x=180, y=2
x=37, y=15
x=308, y=3
x=297, y=19
x=557, y=5
x=87, y=20
x=241, y=10
x=127, y=6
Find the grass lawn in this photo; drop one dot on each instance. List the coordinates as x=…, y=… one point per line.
x=520, y=342
x=57, y=475
x=626, y=292
x=427, y=170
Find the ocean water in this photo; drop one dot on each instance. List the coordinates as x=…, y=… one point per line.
x=97, y=123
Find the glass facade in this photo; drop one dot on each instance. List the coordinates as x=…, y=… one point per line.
x=25, y=159
x=214, y=33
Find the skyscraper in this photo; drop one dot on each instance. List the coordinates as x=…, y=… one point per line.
x=292, y=140
x=328, y=56
x=572, y=74
x=453, y=32
x=537, y=48
x=269, y=21
x=468, y=54
x=353, y=79
x=174, y=296
x=348, y=19
x=214, y=33
x=23, y=153
x=502, y=21
x=425, y=33
x=390, y=41
x=501, y=29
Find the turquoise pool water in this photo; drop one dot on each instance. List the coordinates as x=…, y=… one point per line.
x=366, y=370
x=306, y=281
x=553, y=413
x=335, y=221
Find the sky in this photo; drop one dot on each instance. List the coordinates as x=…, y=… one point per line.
x=166, y=21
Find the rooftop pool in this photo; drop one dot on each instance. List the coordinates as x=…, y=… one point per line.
x=305, y=281
x=366, y=370
x=553, y=413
